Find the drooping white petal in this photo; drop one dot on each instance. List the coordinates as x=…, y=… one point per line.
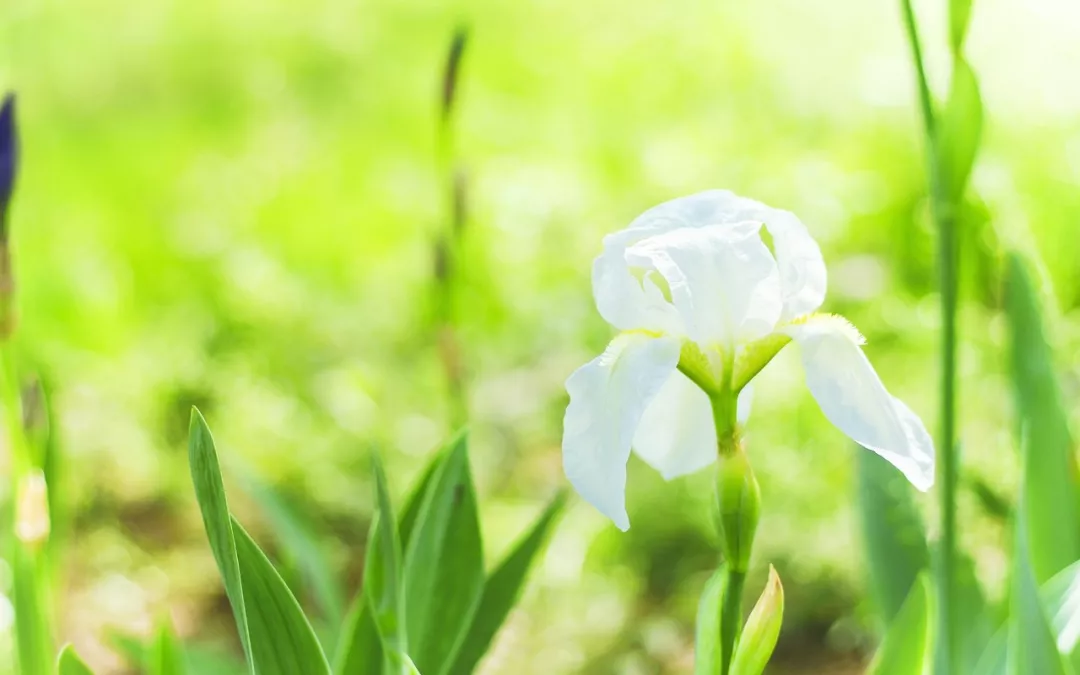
x=608, y=396
x=853, y=398
x=721, y=278
x=802, y=270
x=677, y=434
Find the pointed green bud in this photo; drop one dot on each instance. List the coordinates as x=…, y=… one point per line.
x=762, y=629
x=738, y=507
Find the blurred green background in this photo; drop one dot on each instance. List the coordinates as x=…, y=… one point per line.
x=235, y=205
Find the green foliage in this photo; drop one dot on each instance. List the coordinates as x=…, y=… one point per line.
x=383, y=585
x=1032, y=647
x=960, y=129
x=1051, y=495
x=444, y=565
x=279, y=638
x=893, y=534
x=69, y=663
x=959, y=17
x=906, y=649
x=165, y=656
x=503, y=588
x=708, y=649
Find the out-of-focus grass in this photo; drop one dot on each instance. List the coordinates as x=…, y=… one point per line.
x=232, y=205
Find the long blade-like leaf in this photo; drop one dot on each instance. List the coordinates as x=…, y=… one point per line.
x=1032, y=647
x=444, y=568
x=210, y=493
x=165, y=656
x=1051, y=497
x=960, y=131
x=503, y=588
x=893, y=534
x=282, y=640
x=382, y=569
x=708, y=650
x=906, y=649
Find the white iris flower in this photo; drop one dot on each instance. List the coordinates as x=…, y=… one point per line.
x=703, y=305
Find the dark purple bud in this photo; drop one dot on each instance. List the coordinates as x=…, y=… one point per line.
x=453, y=65
x=9, y=153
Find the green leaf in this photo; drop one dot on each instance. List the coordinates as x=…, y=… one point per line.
x=959, y=17
x=210, y=493
x=762, y=629
x=974, y=625
x=198, y=658
x=382, y=569
x=906, y=649
x=444, y=569
x=893, y=532
x=1032, y=648
x=165, y=656
x=503, y=588
x=295, y=534
x=360, y=650
x=69, y=663
x=708, y=651
x=282, y=640
x=1051, y=499
x=33, y=630
x=961, y=129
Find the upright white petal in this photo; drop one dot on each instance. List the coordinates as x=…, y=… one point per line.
x=721, y=278
x=853, y=398
x=802, y=270
x=677, y=434
x=626, y=300
x=608, y=396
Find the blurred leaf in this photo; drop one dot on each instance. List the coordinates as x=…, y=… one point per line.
x=758, y=638
x=452, y=70
x=359, y=651
x=993, y=503
x=893, y=533
x=69, y=663
x=906, y=648
x=961, y=129
x=382, y=569
x=33, y=631
x=1032, y=648
x=198, y=658
x=165, y=656
x=282, y=640
x=295, y=533
x=708, y=653
x=959, y=17
x=974, y=625
x=503, y=589
x=1050, y=496
x=210, y=493
x=444, y=568
x=1061, y=597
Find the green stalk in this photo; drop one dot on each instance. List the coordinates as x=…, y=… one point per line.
x=943, y=213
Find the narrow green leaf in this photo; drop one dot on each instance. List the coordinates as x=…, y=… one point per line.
x=198, y=658
x=1032, y=648
x=708, y=651
x=415, y=501
x=165, y=656
x=360, y=650
x=893, y=534
x=69, y=663
x=382, y=569
x=959, y=17
x=444, y=568
x=906, y=649
x=961, y=130
x=1051, y=498
x=296, y=534
x=503, y=588
x=33, y=629
x=973, y=624
x=210, y=493
x=282, y=640
x=758, y=638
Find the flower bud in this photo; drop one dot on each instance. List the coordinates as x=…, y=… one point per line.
x=32, y=509
x=762, y=629
x=738, y=506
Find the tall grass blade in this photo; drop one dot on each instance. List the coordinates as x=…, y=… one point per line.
x=1051, y=497
x=503, y=589
x=960, y=130
x=165, y=656
x=69, y=663
x=444, y=568
x=1032, y=647
x=383, y=568
x=906, y=649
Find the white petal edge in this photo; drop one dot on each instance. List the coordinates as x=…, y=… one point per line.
x=802, y=269
x=608, y=397
x=852, y=397
x=677, y=434
x=722, y=279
